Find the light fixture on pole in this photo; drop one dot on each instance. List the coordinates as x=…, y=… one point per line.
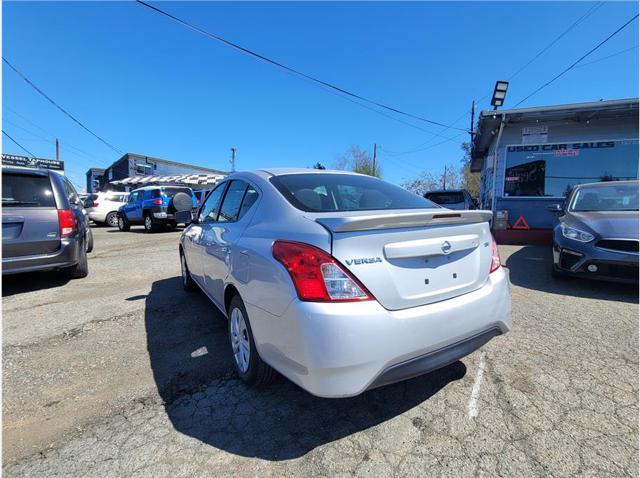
x=499, y=94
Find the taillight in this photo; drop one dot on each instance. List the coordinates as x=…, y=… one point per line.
x=95, y=204
x=197, y=201
x=316, y=275
x=495, y=256
x=66, y=222
x=157, y=202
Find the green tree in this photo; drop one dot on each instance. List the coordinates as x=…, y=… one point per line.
x=357, y=160
x=470, y=181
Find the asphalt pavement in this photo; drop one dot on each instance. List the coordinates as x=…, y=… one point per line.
x=124, y=374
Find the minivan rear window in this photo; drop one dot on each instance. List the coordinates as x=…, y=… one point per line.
x=27, y=190
x=446, y=198
x=170, y=192
x=327, y=192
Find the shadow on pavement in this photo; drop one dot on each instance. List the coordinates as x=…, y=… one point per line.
x=530, y=267
x=192, y=366
x=32, y=281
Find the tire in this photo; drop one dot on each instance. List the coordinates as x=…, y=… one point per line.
x=149, y=224
x=188, y=283
x=123, y=224
x=89, y=240
x=248, y=364
x=81, y=269
x=112, y=219
x=180, y=202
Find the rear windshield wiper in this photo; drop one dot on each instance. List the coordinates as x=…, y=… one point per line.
x=21, y=203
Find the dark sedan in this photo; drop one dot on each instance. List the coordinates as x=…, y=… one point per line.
x=597, y=234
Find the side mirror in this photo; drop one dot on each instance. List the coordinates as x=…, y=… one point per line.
x=184, y=217
x=555, y=208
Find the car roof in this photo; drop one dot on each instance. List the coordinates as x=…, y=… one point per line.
x=147, y=188
x=445, y=191
x=284, y=171
x=603, y=184
x=32, y=171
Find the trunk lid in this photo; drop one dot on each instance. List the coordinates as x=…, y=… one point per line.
x=29, y=232
x=413, y=258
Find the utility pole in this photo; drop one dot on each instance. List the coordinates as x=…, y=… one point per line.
x=444, y=179
x=374, y=157
x=473, y=115
x=57, y=150
x=233, y=159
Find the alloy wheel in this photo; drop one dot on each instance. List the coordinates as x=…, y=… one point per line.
x=240, y=340
x=147, y=223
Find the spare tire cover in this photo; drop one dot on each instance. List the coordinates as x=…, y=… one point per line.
x=181, y=202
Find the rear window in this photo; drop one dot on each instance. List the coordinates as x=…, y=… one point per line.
x=170, y=192
x=25, y=190
x=319, y=192
x=445, y=198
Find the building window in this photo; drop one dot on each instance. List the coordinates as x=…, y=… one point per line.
x=143, y=168
x=551, y=170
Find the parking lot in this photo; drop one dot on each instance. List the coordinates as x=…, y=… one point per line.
x=124, y=374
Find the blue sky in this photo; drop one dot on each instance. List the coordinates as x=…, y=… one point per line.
x=150, y=86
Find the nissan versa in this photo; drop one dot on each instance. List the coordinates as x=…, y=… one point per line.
x=343, y=282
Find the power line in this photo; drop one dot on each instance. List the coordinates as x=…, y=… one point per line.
x=30, y=83
x=65, y=145
x=18, y=144
x=582, y=65
x=577, y=61
x=288, y=68
x=557, y=39
x=583, y=17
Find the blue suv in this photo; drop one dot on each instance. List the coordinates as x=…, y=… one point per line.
x=155, y=207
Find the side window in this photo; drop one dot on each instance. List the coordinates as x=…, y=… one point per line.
x=209, y=210
x=133, y=197
x=70, y=192
x=232, y=200
x=250, y=197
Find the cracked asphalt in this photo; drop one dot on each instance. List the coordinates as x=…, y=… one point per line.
x=124, y=374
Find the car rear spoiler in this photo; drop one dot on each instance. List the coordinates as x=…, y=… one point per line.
x=396, y=219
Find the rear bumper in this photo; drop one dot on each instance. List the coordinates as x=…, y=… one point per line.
x=343, y=349
x=97, y=216
x=67, y=256
x=434, y=360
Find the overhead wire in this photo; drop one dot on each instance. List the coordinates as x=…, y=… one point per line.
x=18, y=144
x=54, y=103
x=288, y=68
x=575, y=63
x=427, y=145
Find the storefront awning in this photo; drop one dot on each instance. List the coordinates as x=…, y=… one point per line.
x=183, y=179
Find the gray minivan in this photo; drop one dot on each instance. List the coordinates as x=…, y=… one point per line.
x=44, y=225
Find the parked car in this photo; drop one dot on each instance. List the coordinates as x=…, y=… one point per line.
x=452, y=199
x=155, y=207
x=200, y=196
x=343, y=282
x=597, y=234
x=103, y=207
x=44, y=225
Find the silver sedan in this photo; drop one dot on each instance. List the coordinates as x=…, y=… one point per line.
x=343, y=282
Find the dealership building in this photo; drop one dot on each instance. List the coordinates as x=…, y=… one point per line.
x=530, y=158
x=135, y=170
